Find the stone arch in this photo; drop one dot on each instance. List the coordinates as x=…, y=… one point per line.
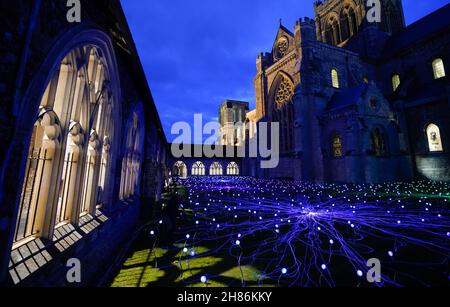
x=216, y=169
x=180, y=169
x=198, y=169
x=348, y=20
x=333, y=29
x=63, y=63
x=133, y=153
x=282, y=109
x=41, y=176
x=232, y=169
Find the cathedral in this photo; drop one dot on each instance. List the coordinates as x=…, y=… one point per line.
x=357, y=101
x=84, y=157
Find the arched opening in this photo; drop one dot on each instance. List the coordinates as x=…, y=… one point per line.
x=349, y=23
x=198, y=169
x=62, y=171
x=434, y=138
x=333, y=31
x=41, y=166
x=233, y=169
x=283, y=110
x=438, y=69
x=395, y=82
x=180, y=170
x=132, y=161
x=216, y=169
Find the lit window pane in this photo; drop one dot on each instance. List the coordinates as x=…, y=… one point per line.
x=434, y=138
x=438, y=69
x=395, y=82
x=335, y=78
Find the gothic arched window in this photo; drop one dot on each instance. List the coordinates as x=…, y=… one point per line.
x=283, y=111
x=395, y=82
x=63, y=172
x=180, y=170
x=284, y=92
x=335, y=78
x=232, y=169
x=349, y=23
x=434, y=138
x=438, y=69
x=337, y=146
x=131, y=163
x=198, y=169
x=216, y=169
x=333, y=31
x=378, y=142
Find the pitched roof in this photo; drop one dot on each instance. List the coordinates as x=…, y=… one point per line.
x=433, y=23
x=347, y=97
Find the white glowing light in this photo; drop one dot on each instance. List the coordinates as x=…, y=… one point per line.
x=359, y=273
x=284, y=271
x=238, y=242
x=203, y=279
x=391, y=254
x=188, y=236
x=152, y=233
x=324, y=267
x=331, y=242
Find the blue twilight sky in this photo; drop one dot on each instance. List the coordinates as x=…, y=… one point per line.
x=197, y=53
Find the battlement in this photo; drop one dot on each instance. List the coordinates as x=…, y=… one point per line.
x=305, y=21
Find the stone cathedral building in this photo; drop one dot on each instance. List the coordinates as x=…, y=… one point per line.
x=83, y=152
x=358, y=101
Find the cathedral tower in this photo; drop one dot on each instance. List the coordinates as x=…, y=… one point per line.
x=337, y=21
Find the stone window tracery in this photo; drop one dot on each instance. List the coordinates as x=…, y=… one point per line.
x=233, y=169
x=63, y=174
x=216, y=169
x=198, y=169
x=284, y=92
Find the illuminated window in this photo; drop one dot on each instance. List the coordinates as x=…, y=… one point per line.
x=434, y=138
x=198, y=169
x=337, y=146
x=335, y=78
x=395, y=82
x=216, y=169
x=232, y=169
x=180, y=170
x=75, y=177
x=438, y=69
